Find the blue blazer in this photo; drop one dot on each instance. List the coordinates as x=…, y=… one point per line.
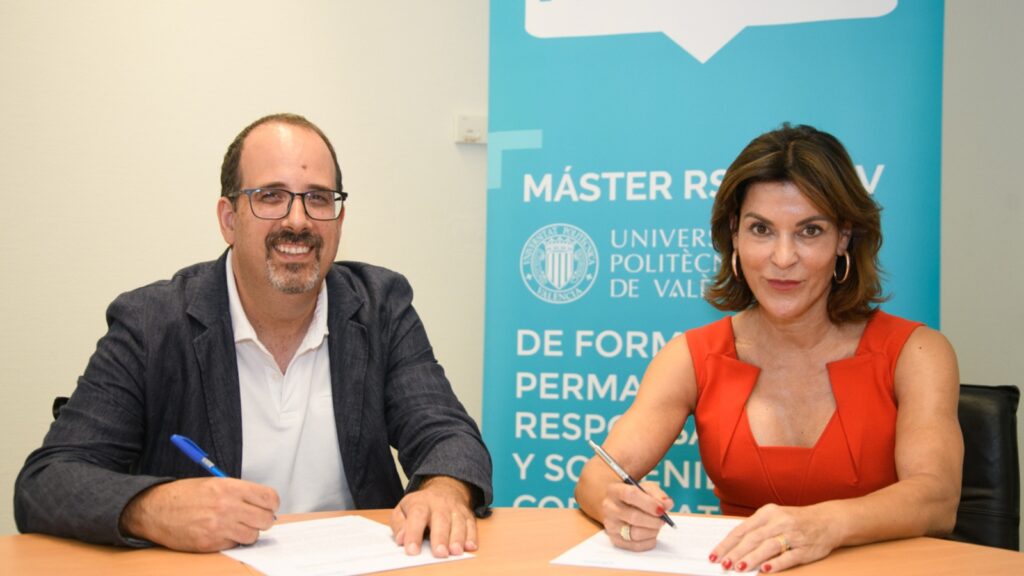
x=167, y=366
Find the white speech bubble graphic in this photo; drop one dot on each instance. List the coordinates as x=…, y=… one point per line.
x=701, y=27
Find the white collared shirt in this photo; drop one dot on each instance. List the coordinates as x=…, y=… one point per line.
x=289, y=436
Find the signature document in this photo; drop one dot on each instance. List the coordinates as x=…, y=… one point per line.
x=336, y=546
x=684, y=550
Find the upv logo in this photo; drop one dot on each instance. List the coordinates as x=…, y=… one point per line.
x=701, y=27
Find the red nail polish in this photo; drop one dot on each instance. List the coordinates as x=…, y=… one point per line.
x=713, y=557
x=766, y=568
x=742, y=566
x=661, y=511
x=726, y=563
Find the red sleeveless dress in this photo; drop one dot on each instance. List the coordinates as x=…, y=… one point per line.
x=854, y=455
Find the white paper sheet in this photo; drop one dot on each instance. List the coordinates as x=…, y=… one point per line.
x=336, y=546
x=684, y=550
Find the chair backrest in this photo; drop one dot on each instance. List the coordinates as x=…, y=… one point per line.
x=989, y=511
x=58, y=405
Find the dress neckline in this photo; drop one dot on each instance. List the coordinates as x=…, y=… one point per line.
x=835, y=411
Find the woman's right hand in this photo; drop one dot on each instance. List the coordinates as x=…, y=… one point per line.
x=632, y=519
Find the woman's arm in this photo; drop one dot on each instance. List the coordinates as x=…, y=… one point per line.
x=929, y=450
x=640, y=438
x=929, y=462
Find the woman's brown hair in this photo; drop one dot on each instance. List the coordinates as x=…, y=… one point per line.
x=818, y=164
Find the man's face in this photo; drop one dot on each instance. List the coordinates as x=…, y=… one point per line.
x=292, y=254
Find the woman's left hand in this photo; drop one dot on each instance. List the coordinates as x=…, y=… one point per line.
x=776, y=538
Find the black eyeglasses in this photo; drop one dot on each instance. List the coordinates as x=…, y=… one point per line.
x=276, y=203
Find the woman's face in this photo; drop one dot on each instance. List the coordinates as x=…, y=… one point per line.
x=787, y=250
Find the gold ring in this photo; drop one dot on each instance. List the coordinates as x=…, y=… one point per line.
x=783, y=543
x=624, y=532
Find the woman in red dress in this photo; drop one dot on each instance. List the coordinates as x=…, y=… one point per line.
x=826, y=421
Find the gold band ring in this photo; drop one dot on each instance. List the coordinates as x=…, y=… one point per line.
x=783, y=543
x=624, y=532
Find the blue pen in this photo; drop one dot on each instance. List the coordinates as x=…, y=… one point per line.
x=196, y=454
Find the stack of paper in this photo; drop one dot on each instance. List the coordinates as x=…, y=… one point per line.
x=336, y=546
x=683, y=550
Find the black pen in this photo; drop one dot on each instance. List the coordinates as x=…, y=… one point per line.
x=622, y=474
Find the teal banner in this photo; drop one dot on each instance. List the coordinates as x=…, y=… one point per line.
x=611, y=124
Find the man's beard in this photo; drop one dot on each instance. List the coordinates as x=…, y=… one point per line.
x=294, y=278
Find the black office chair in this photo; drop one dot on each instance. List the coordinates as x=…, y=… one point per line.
x=58, y=404
x=989, y=511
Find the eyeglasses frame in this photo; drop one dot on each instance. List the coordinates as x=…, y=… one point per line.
x=250, y=191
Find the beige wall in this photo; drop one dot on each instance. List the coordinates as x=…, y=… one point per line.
x=114, y=115
x=982, y=198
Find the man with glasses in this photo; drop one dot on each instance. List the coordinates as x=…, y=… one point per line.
x=295, y=373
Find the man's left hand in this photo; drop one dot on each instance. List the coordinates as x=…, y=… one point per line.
x=442, y=506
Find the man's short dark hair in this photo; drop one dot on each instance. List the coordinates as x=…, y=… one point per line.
x=231, y=174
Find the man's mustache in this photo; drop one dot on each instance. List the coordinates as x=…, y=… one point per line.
x=314, y=241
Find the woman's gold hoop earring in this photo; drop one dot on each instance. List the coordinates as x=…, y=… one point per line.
x=735, y=267
x=846, y=271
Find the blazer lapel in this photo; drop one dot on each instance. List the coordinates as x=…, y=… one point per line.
x=214, y=346
x=349, y=347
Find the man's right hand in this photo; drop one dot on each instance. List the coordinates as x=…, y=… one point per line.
x=201, y=514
